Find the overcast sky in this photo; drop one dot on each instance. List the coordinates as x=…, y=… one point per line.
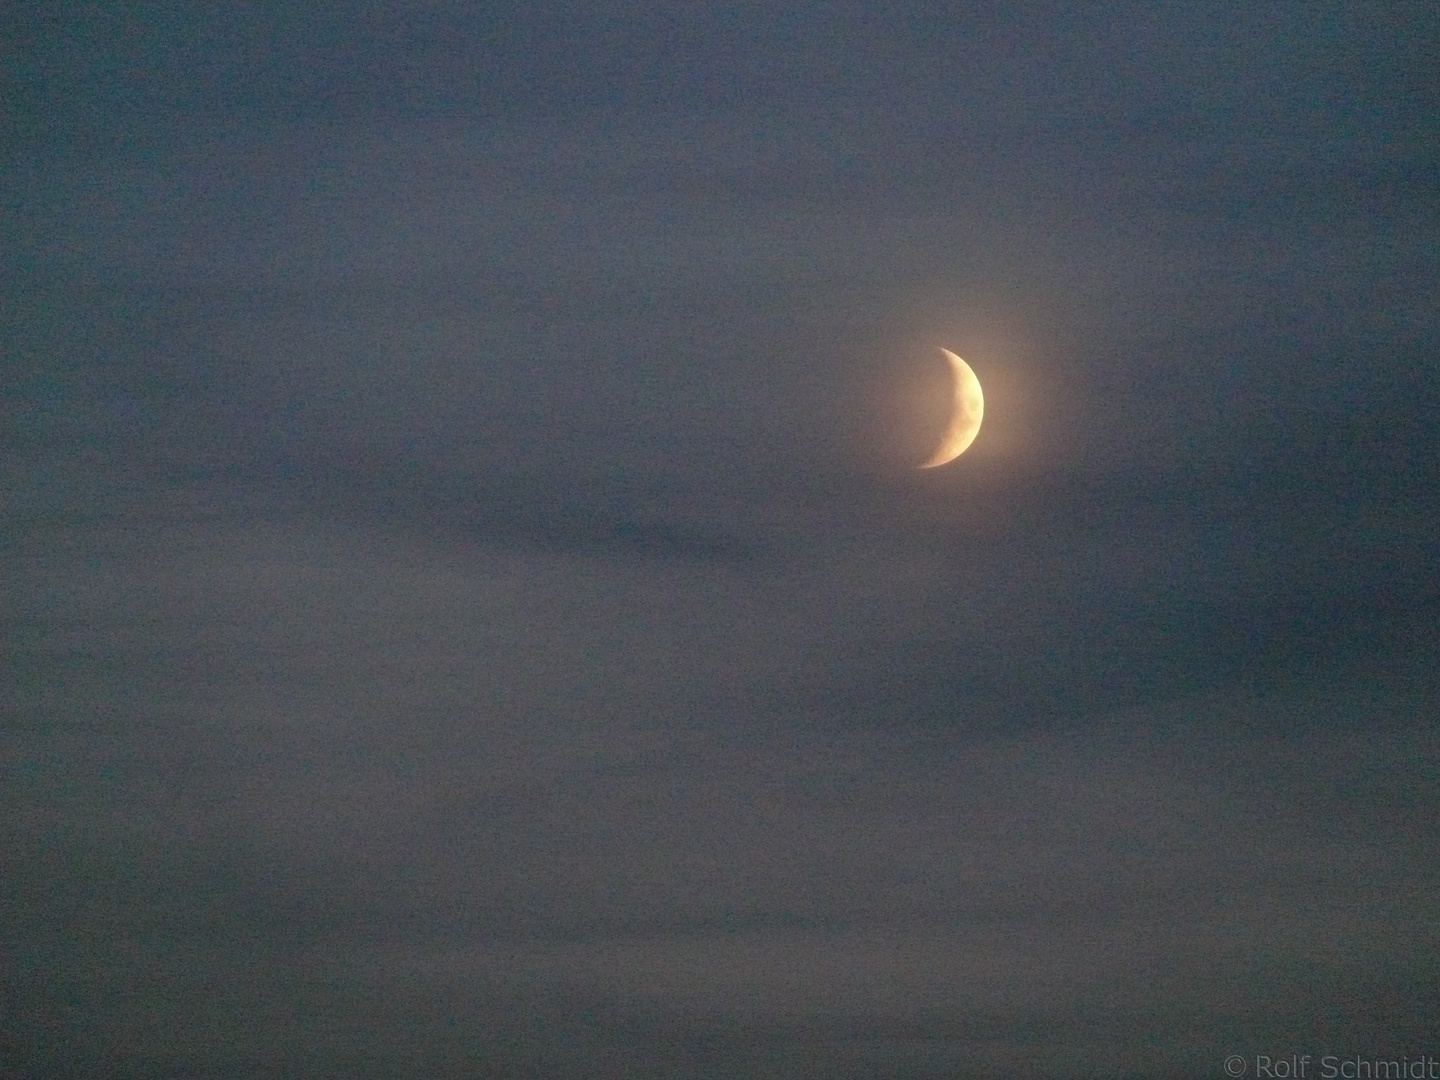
x=469, y=609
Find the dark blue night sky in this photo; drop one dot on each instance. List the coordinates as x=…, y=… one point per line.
x=469, y=609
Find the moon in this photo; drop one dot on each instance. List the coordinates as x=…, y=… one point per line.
x=965, y=413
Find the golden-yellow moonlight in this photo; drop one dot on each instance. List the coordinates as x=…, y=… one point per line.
x=965, y=413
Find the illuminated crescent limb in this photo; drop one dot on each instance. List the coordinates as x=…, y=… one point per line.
x=966, y=412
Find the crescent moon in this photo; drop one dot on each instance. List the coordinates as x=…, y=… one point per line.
x=965, y=414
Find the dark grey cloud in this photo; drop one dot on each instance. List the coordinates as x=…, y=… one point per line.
x=468, y=812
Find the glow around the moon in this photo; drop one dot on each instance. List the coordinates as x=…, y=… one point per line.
x=965, y=414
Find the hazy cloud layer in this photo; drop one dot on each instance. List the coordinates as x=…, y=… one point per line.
x=468, y=608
